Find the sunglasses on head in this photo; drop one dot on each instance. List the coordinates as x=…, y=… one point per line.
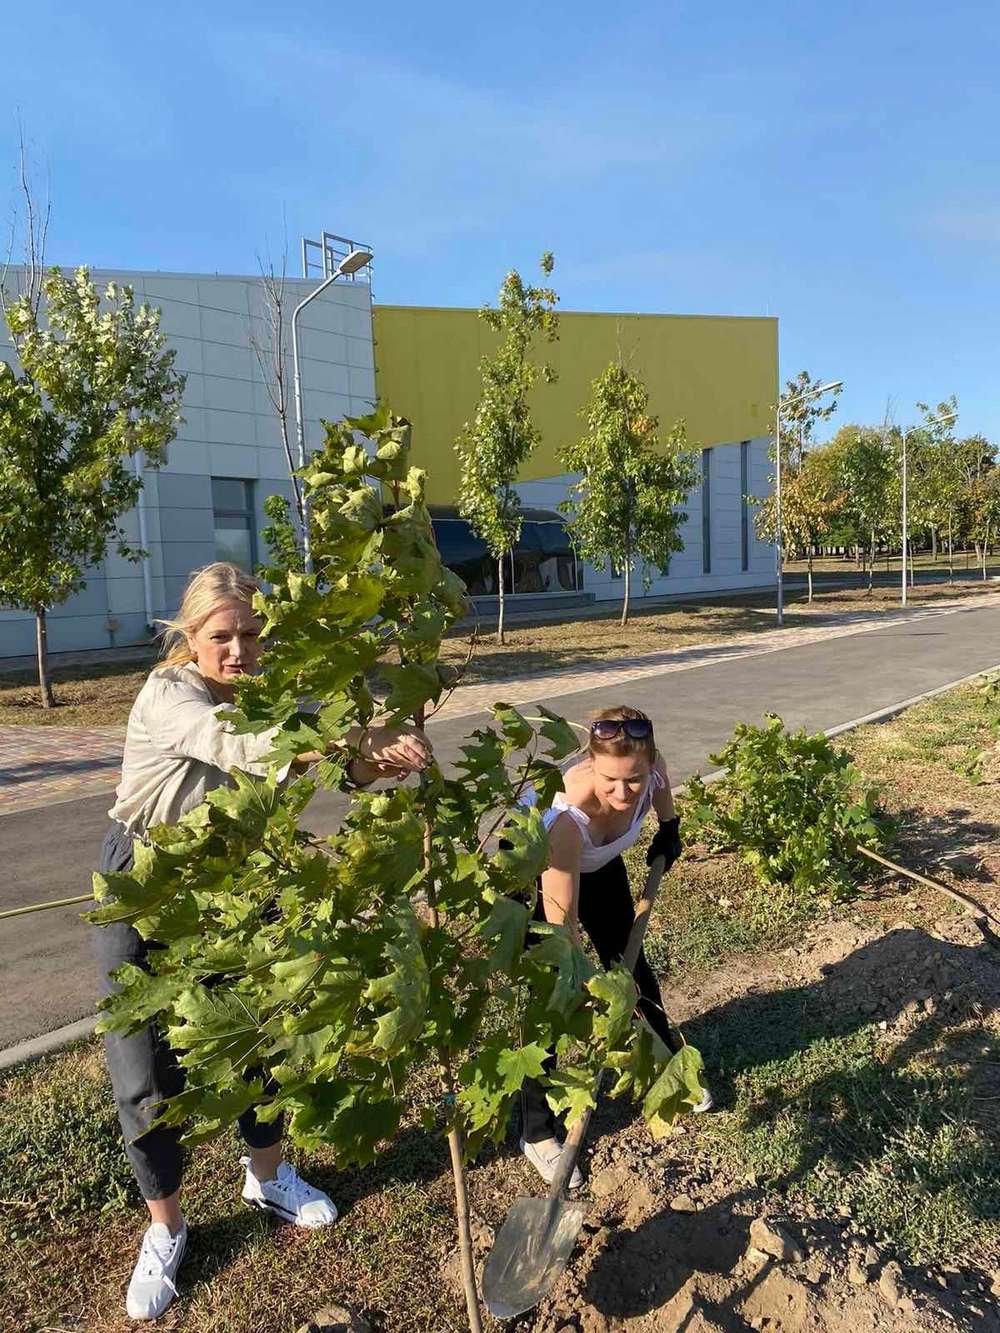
x=609, y=728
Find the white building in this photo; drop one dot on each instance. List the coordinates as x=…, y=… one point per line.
x=206, y=503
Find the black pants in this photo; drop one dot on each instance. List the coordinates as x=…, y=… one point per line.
x=143, y=1069
x=606, y=913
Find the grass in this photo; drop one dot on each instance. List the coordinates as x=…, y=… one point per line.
x=841, y=1127
x=888, y=1123
x=87, y=695
x=70, y=1236
x=91, y=695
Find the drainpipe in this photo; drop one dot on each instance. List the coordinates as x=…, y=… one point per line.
x=147, y=578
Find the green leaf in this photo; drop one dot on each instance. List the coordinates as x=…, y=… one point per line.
x=405, y=990
x=515, y=1066
x=517, y=731
x=507, y=924
x=571, y=1091
x=679, y=1086
x=616, y=995
x=563, y=740
x=411, y=686
x=522, y=862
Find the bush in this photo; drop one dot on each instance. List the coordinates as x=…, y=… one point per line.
x=794, y=807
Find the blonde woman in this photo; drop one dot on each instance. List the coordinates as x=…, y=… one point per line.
x=178, y=748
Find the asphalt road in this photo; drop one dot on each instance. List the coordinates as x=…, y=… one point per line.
x=46, y=975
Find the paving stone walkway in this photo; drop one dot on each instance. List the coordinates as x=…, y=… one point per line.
x=41, y=766
x=47, y=765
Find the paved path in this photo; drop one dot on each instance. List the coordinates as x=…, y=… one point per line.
x=695, y=698
x=44, y=766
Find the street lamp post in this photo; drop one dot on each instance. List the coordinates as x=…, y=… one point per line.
x=944, y=419
x=351, y=263
x=799, y=398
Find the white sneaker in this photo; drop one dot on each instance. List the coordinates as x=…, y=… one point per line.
x=152, y=1286
x=544, y=1157
x=288, y=1195
x=707, y=1102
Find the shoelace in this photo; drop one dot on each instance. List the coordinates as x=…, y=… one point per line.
x=154, y=1264
x=290, y=1183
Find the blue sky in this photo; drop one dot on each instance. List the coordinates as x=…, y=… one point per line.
x=836, y=166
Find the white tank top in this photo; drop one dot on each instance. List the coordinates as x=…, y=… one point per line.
x=592, y=855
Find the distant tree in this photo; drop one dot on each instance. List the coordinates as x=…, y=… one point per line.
x=800, y=418
x=864, y=467
x=95, y=387
x=931, y=481
x=810, y=502
x=493, y=447
x=624, y=508
x=269, y=345
x=985, y=512
x=974, y=456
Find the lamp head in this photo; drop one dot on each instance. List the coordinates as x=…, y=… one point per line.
x=353, y=261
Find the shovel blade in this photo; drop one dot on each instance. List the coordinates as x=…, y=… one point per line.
x=530, y=1251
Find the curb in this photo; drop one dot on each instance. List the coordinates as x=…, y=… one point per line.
x=50, y=1042
x=36, y=1047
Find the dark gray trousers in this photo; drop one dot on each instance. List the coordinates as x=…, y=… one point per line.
x=143, y=1069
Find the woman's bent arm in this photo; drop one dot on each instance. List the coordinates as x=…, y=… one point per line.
x=663, y=801
x=561, y=881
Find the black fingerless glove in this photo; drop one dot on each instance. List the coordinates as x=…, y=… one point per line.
x=666, y=842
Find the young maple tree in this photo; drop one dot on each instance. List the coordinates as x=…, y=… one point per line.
x=316, y=977
x=501, y=436
x=626, y=505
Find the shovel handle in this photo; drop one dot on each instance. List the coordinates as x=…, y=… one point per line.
x=643, y=909
x=578, y=1132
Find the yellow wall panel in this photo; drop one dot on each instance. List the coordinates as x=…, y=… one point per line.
x=719, y=373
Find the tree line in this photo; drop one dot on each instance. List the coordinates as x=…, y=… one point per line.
x=846, y=494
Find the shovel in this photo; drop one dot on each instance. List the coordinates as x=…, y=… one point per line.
x=538, y=1235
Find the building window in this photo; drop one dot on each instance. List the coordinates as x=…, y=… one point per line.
x=235, y=523
x=706, y=511
x=745, y=505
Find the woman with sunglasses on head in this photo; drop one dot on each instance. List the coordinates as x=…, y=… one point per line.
x=598, y=816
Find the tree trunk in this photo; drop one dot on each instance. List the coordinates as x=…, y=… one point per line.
x=464, y=1232
x=809, y=574
x=871, y=566
x=628, y=590
x=42, y=644
x=455, y=1133
x=911, y=564
x=951, y=555
x=933, y=545
x=986, y=547
x=500, y=586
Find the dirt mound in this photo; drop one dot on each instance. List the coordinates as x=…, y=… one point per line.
x=673, y=1243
